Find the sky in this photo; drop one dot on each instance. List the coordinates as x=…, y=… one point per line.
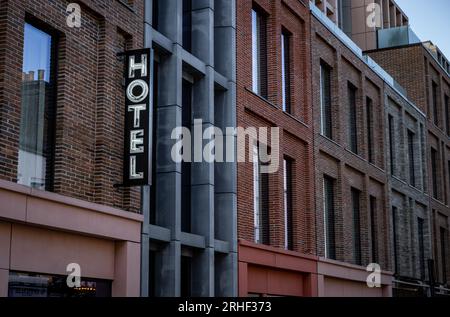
x=430, y=20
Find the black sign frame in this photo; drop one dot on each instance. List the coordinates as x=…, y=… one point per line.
x=138, y=127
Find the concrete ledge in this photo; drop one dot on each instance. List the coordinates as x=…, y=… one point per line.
x=39, y=208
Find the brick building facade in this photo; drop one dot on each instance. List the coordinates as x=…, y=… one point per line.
x=265, y=109
x=73, y=153
x=427, y=81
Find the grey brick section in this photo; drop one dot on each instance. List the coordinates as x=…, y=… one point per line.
x=410, y=198
x=212, y=243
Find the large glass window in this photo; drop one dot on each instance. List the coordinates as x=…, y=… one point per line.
x=259, y=53
x=36, y=145
x=40, y=285
x=325, y=101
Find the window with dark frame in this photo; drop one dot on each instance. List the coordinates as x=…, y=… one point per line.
x=38, y=110
x=186, y=276
x=325, y=101
x=356, y=206
x=353, y=119
x=420, y=233
x=186, y=204
x=187, y=25
x=411, y=157
x=261, y=200
x=447, y=114
x=259, y=52
x=286, y=70
x=443, y=238
x=374, y=229
x=391, y=128
x=370, y=136
x=288, y=212
x=155, y=14
x=434, y=172
x=434, y=91
x=329, y=217
x=394, y=236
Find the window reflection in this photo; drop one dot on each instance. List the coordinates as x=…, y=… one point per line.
x=37, y=285
x=36, y=145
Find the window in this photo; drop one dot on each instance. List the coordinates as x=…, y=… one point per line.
x=186, y=276
x=325, y=101
x=374, y=228
x=370, y=140
x=444, y=237
x=356, y=202
x=329, y=217
x=40, y=285
x=412, y=168
x=353, y=126
x=286, y=70
x=186, y=166
x=36, y=144
x=288, y=217
x=259, y=53
x=435, y=103
x=447, y=114
x=261, y=201
x=391, y=144
x=155, y=14
x=187, y=25
x=421, y=232
x=394, y=235
x=434, y=173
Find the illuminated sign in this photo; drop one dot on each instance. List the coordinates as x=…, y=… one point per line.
x=138, y=114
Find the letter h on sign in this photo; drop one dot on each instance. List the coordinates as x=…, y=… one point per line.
x=138, y=118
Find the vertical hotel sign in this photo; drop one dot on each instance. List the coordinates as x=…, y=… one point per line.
x=138, y=114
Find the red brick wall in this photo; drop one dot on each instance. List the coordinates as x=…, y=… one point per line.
x=334, y=158
x=90, y=99
x=296, y=140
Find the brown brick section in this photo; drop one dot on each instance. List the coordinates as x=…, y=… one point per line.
x=415, y=69
x=296, y=140
x=334, y=158
x=90, y=99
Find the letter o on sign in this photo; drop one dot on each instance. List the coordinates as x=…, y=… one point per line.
x=137, y=83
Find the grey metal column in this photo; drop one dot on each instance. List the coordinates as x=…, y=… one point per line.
x=168, y=180
x=145, y=197
x=203, y=172
x=225, y=198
